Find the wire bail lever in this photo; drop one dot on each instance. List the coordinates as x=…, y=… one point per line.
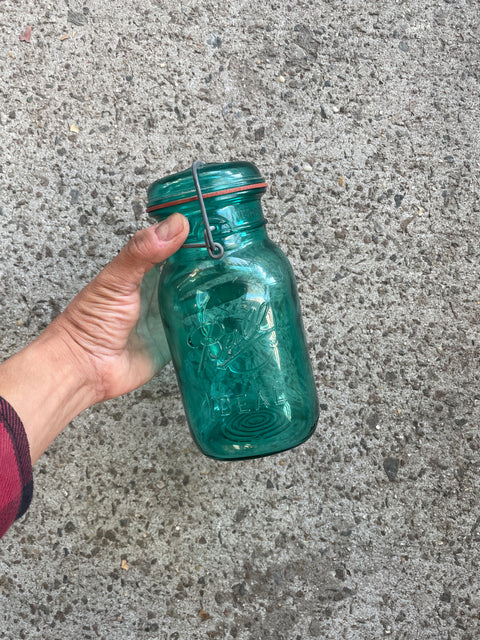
x=215, y=249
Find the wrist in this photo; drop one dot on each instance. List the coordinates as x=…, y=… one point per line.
x=72, y=358
x=47, y=385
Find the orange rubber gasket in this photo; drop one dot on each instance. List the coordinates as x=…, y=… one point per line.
x=247, y=187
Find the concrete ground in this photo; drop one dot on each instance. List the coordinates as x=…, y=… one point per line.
x=364, y=118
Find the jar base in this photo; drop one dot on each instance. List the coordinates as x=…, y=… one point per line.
x=229, y=453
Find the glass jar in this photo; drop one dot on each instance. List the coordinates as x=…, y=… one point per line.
x=232, y=317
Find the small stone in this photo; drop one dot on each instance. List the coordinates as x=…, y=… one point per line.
x=307, y=167
x=398, y=199
x=404, y=223
x=138, y=209
x=74, y=195
x=449, y=159
x=372, y=420
x=315, y=629
x=26, y=36
x=76, y=18
x=69, y=527
x=281, y=79
x=214, y=41
x=403, y=46
x=259, y=133
x=240, y=589
x=241, y=514
x=391, y=466
x=74, y=128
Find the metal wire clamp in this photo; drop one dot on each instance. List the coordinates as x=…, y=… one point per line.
x=215, y=249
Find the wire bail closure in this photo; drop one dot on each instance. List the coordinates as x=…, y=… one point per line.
x=215, y=249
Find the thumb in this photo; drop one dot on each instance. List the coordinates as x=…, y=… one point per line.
x=145, y=249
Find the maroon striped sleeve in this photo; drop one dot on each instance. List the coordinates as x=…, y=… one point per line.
x=16, y=481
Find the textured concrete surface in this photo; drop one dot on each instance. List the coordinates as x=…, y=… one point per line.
x=364, y=118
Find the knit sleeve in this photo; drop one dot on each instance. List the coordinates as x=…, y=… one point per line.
x=16, y=481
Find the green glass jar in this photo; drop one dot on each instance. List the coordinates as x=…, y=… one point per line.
x=232, y=317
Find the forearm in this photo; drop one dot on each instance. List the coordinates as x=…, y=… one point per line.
x=46, y=386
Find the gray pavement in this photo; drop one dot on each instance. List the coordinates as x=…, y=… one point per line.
x=364, y=119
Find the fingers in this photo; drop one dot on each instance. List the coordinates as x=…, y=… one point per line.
x=145, y=249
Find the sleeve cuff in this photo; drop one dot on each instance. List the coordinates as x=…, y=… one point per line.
x=21, y=448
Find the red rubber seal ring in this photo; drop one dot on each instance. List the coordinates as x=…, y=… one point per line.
x=247, y=187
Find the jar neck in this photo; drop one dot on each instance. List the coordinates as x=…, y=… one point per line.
x=231, y=243
x=227, y=215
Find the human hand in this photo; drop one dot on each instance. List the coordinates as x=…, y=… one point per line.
x=96, y=349
x=119, y=344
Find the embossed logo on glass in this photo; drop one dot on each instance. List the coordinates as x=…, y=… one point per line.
x=242, y=341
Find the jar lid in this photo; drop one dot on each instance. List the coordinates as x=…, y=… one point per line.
x=216, y=179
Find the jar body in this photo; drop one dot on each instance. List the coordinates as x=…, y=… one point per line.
x=238, y=346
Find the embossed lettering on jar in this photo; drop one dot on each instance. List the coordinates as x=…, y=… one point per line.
x=233, y=323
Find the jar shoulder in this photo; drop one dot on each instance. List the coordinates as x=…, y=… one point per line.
x=264, y=262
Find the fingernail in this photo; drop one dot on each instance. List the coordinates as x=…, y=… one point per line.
x=169, y=228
